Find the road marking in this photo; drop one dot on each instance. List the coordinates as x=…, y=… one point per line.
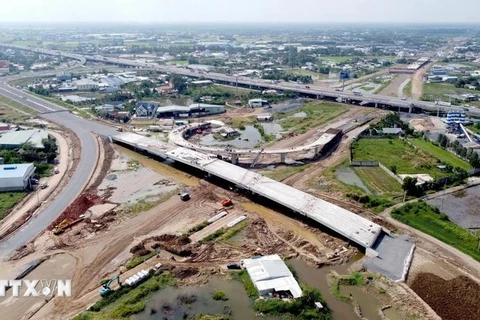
x=11, y=92
x=41, y=105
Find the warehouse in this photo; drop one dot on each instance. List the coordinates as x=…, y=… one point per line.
x=14, y=140
x=271, y=276
x=16, y=177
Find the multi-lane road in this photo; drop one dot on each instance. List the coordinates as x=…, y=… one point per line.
x=83, y=129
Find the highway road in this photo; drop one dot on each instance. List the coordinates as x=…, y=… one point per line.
x=83, y=128
x=265, y=84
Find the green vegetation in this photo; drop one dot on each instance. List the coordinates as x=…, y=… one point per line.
x=8, y=200
x=197, y=228
x=475, y=128
x=442, y=154
x=238, y=122
x=317, y=113
x=82, y=113
x=233, y=231
x=367, y=88
x=144, y=205
x=430, y=220
x=353, y=279
x=437, y=91
x=397, y=153
x=301, y=308
x=377, y=180
x=383, y=86
x=215, y=235
x=139, y=260
x=266, y=137
x=178, y=62
x=219, y=295
x=376, y=203
x=126, y=301
x=284, y=173
x=407, y=90
x=244, y=278
x=210, y=317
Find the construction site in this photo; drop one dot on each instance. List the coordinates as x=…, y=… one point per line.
x=153, y=205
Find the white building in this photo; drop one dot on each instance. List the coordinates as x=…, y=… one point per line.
x=257, y=103
x=270, y=274
x=16, y=177
x=86, y=85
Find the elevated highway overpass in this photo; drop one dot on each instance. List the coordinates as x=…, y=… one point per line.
x=317, y=92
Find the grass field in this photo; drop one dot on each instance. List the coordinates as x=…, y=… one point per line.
x=314, y=75
x=377, y=180
x=407, y=90
x=8, y=200
x=60, y=102
x=434, y=91
x=396, y=152
x=317, y=112
x=178, y=62
x=284, y=173
x=441, y=154
x=428, y=219
x=474, y=129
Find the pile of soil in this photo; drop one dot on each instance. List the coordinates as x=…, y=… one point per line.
x=78, y=207
x=179, y=245
x=454, y=299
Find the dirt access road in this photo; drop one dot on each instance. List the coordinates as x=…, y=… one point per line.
x=417, y=80
x=395, y=87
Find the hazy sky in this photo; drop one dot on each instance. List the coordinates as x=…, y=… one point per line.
x=167, y=11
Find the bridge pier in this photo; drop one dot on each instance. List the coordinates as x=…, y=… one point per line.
x=234, y=158
x=283, y=157
x=317, y=150
x=376, y=104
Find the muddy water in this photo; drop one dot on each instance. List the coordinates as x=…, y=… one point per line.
x=317, y=278
x=168, y=305
x=162, y=168
x=346, y=175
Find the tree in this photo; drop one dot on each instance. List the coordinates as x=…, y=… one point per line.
x=410, y=185
x=179, y=84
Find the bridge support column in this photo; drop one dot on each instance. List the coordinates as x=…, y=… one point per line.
x=283, y=157
x=317, y=150
x=234, y=158
x=376, y=104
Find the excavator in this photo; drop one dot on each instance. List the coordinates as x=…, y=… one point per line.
x=105, y=289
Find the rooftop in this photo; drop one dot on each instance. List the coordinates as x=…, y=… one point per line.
x=17, y=138
x=271, y=273
x=15, y=170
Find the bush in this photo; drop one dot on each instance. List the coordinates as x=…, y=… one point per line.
x=219, y=295
x=141, y=259
x=127, y=310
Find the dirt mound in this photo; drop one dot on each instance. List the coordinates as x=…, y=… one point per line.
x=454, y=299
x=183, y=273
x=84, y=202
x=179, y=245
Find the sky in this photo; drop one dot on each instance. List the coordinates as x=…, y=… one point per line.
x=269, y=11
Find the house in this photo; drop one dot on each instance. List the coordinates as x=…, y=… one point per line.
x=228, y=132
x=165, y=89
x=111, y=84
x=270, y=275
x=64, y=76
x=146, y=109
x=16, y=177
x=15, y=139
x=257, y=103
x=4, y=66
x=392, y=131
x=4, y=127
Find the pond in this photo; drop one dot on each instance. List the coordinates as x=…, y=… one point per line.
x=248, y=138
x=346, y=175
x=175, y=303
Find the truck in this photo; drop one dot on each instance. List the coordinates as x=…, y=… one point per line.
x=357, y=93
x=184, y=196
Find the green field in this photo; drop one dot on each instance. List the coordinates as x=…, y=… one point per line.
x=407, y=90
x=474, y=129
x=317, y=112
x=178, y=62
x=399, y=154
x=441, y=154
x=435, y=91
x=314, y=75
x=428, y=219
x=377, y=180
x=8, y=200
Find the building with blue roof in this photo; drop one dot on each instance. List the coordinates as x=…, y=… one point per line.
x=16, y=177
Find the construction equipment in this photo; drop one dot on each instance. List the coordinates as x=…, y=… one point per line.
x=227, y=202
x=105, y=289
x=65, y=224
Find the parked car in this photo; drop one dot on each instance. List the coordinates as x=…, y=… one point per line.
x=44, y=185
